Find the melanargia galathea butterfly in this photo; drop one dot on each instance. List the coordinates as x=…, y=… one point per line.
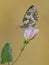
x=30, y=18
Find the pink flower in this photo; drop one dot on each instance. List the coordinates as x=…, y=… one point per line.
x=30, y=33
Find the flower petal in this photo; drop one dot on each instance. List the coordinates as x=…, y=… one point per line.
x=30, y=33
x=34, y=33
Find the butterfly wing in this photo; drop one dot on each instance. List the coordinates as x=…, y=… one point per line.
x=31, y=17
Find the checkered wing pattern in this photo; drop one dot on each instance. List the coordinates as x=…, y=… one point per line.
x=31, y=17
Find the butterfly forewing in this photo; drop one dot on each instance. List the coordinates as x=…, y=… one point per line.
x=30, y=17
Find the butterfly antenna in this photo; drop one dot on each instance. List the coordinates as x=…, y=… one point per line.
x=19, y=27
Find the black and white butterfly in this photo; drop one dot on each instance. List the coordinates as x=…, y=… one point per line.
x=30, y=18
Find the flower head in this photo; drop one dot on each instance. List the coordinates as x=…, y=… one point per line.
x=30, y=33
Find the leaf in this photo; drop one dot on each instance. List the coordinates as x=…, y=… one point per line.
x=6, y=54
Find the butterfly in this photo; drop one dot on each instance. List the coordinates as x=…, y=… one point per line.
x=30, y=18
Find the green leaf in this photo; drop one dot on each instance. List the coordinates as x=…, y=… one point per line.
x=6, y=54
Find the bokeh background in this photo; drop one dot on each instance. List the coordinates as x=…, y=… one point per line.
x=11, y=15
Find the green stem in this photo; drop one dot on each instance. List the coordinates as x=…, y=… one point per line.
x=17, y=58
x=19, y=55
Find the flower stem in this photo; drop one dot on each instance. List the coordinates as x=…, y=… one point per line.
x=17, y=58
x=19, y=54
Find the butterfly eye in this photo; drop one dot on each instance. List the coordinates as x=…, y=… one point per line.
x=25, y=25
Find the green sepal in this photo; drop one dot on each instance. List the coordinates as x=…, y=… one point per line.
x=26, y=41
x=24, y=44
x=6, y=54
